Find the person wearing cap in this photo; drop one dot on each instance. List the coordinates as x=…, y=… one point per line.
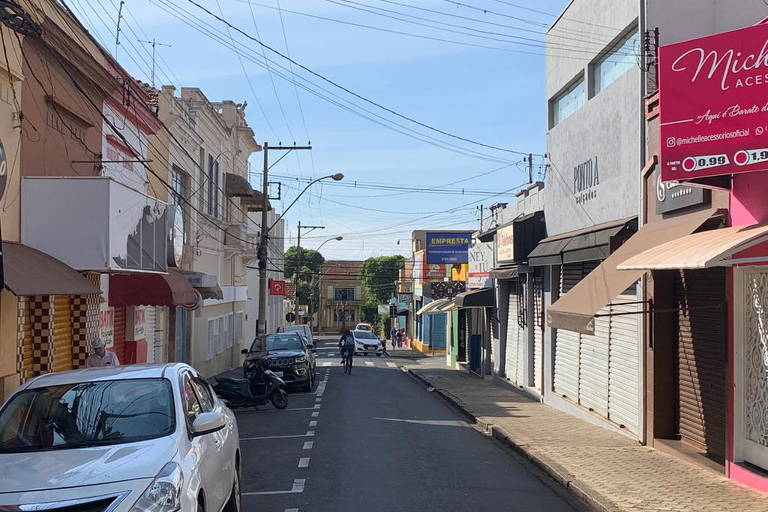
x=101, y=356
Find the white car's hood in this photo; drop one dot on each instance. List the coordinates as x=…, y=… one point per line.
x=56, y=469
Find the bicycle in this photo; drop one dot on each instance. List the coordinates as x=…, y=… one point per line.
x=347, y=362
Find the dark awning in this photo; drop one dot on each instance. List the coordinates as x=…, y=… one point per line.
x=237, y=186
x=28, y=271
x=143, y=289
x=254, y=202
x=589, y=244
x=505, y=272
x=485, y=298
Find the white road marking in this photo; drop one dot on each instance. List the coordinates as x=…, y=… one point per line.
x=368, y=363
x=326, y=363
x=317, y=406
x=391, y=364
x=308, y=434
x=300, y=409
x=312, y=424
x=308, y=445
x=316, y=414
x=291, y=510
x=304, y=462
x=318, y=399
x=298, y=488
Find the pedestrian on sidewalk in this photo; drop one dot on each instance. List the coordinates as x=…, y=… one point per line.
x=399, y=338
x=393, y=337
x=384, y=347
x=101, y=356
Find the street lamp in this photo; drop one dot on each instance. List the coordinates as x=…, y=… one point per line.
x=337, y=238
x=261, y=324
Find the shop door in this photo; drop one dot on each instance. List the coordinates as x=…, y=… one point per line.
x=752, y=368
x=161, y=319
x=61, y=340
x=538, y=330
x=567, y=343
x=516, y=336
x=701, y=354
x=118, y=329
x=463, y=335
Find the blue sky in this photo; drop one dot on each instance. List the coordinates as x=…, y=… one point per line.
x=495, y=96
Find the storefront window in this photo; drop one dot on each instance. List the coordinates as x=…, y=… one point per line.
x=618, y=60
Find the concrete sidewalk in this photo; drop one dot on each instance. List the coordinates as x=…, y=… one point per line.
x=606, y=470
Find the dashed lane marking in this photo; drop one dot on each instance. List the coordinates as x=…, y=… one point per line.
x=326, y=363
x=298, y=488
x=291, y=510
x=304, y=462
x=312, y=424
x=316, y=414
x=308, y=445
x=309, y=433
x=369, y=363
x=317, y=406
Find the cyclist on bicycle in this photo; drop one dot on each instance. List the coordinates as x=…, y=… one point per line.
x=347, y=345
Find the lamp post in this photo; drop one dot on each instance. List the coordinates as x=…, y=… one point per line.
x=261, y=324
x=320, y=279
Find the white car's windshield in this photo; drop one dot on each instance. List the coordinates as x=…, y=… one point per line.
x=365, y=335
x=284, y=342
x=87, y=414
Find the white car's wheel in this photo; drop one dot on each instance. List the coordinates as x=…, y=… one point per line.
x=233, y=505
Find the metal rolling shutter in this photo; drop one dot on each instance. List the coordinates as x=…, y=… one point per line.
x=516, y=335
x=566, y=381
x=118, y=333
x=624, y=364
x=538, y=331
x=593, y=366
x=149, y=332
x=701, y=359
x=61, y=340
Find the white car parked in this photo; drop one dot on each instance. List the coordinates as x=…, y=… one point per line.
x=140, y=438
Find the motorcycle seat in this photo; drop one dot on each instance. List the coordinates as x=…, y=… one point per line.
x=231, y=380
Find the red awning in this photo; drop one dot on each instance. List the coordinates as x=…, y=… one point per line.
x=142, y=289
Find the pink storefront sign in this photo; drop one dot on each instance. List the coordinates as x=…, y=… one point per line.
x=713, y=94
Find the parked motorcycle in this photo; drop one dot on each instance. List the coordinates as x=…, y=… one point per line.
x=260, y=386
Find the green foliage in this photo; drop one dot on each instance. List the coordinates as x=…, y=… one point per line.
x=378, y=276
x=311, y=261
x=369, y=312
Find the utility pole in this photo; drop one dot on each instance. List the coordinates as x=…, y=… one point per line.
x=296, y=274
x=530, y=168
x=154, y=43
x=261, y=323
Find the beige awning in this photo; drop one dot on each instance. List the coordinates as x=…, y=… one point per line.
x=28, y=271
x=433, y=306
x=700, y=250
x=575, y=311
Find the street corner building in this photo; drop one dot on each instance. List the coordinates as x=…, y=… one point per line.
x=126, y=210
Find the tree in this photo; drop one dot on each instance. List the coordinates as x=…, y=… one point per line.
x=311, y=261
x=378, y=276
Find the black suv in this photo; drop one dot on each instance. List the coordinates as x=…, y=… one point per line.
x=290, y=356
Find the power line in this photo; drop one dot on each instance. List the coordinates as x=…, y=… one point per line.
x=356, y=95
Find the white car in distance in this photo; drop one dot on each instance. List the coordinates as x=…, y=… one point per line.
x=140, y=438
x=366, y=342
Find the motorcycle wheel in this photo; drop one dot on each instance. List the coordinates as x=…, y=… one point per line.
x=279, y=399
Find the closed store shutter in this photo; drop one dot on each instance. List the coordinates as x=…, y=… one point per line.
x=538, y=331
x=566, y=381
x=61, y=341
x=601, y=372
x=149, y=332
x=118, y=331
x=701, y=359
x=515, y=341
x=624, y=370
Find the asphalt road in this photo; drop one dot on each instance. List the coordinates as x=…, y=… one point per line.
x=373, y=441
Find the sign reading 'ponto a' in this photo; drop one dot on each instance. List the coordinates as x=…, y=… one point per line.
x=448, y=248
x=713, y=100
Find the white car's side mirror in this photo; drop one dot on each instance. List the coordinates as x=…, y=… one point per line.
x=208, y=422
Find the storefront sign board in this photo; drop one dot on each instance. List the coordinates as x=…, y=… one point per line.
x=447, y=248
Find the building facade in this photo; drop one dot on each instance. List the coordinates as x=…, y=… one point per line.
x=341, y=295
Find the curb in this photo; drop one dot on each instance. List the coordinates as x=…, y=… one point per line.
x=581, y=492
